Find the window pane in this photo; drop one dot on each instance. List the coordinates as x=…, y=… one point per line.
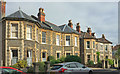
x=67, y=40
x=14, y=30
x=93, y=44
x=58, y=55
x=88, y=44
x=44, y=55
x=88, y=58
x=75, y=41
x=67, y=37
x=58, y=40
x=15, y=53
x=72, y=65
x=29, y=32
x=43, y=37
x=36, y=34
x=67, y=54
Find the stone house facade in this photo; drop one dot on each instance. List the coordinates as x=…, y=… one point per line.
x=90, y=45
x=34, y=39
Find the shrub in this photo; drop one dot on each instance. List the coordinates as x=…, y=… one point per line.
x=110, y=61
x=73, y=58
x=20, y=64
x=41, y=66
x=52, y=62
x=15, y=66
x=99, y=64
x=50, y=58
x=62, y=59
x=90, y=63
x=30, y=70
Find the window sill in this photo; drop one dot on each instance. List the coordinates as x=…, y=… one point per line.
x=29, y=39
x=67, y=45
x=14, y=37
x=43, y=43
x=87, y=48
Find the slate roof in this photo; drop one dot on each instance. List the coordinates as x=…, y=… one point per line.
x=52, y=26
x=86, y=35
x=19, y=15
x=103, y=40
x=67, y=29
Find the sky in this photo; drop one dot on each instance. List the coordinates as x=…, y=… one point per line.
x=102, y=17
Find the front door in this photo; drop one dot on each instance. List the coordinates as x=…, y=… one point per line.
x=29, y=57
x=14, y=56
x=43, y=56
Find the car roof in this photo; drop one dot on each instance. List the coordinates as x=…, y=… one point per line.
x=65, y=63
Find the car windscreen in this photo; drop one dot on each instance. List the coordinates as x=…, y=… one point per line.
x=7, y=70
x=55, y=67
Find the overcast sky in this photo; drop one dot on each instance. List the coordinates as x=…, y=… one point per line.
x=102, y=17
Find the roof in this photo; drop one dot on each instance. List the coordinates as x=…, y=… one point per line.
x=19, y=15
x=103, y=40
x=52, y=26
x=86, y=35
x=67, y=29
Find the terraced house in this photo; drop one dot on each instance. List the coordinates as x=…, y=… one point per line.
x=34, y=39
x=90, y=46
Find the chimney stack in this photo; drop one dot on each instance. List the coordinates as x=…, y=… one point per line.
x=41, y=15
x=78, y=28
x=3, y=8
x=89, y=30
x=70, y=24
x=103, y=36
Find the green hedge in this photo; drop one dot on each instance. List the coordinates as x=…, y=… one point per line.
x=73, y=58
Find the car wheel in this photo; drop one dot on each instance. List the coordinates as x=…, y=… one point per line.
x=90, y=72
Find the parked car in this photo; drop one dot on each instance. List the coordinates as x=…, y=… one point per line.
x=10, y=70
x=70, y=67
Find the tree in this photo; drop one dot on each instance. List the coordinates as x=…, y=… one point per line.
x=98, y=56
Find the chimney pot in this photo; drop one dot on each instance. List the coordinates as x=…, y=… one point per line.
x=40, y=9
x=70, y=24
x=78, y=28
x=89, y=30
x=70, y=21
x=103, y=36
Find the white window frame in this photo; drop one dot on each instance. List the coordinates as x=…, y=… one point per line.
x=14, y=31
x=75, y=41
x=57, y=39
x=37, y=34
x=67, y=42
x=87, y=45
x=93, y=44
x=44, y=37
x=29, y=33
